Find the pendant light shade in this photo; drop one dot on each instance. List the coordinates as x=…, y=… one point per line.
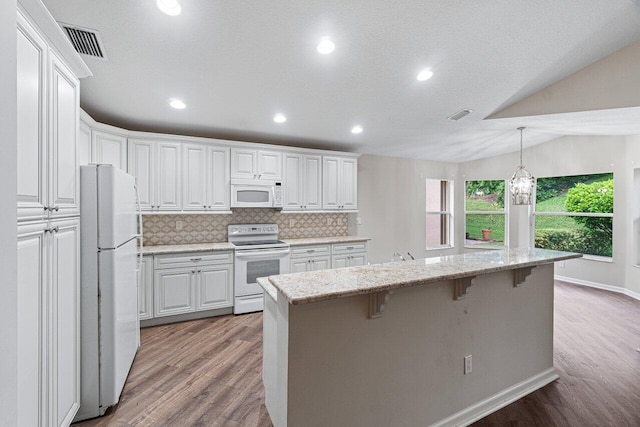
x=522, y=182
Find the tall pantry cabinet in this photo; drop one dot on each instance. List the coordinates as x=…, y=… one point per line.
x=48, y=221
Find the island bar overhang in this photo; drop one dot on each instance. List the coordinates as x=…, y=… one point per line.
x=328, y=361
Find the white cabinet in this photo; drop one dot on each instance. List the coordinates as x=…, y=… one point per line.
x=185, y=283
x=349, y=254
x=84, y=144
x=339, y=183
x=157, y=168
x=47, y=130
x=302, y=182
x=109, y=148
x=310, y=258
x=48, y=322
x=206, y=178
x=256, y=164
x=145, y=288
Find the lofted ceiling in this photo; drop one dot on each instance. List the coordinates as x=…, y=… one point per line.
x=238, y=63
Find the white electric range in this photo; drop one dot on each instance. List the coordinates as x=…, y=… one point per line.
x=258, y=253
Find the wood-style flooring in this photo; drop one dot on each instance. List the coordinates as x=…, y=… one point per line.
x=208, y=372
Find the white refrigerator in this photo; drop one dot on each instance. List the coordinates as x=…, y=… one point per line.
x=110, y=329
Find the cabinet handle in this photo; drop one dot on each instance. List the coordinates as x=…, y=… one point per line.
x=46, y=208
x=196, y=259
x=51, y=230
x=193, y=272
x=56, y=208
x=310, y=251
x=349, y=247
x=199, y=271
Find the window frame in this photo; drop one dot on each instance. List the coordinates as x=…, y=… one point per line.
x=504, y=212
x=449, y=212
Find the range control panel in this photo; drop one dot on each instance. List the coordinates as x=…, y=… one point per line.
x=252, y=229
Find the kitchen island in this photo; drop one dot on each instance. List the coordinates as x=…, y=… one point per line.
x=389, y=344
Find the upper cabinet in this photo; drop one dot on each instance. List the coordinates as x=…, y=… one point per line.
x=206, y=178
x=48, y=110
x=109, y=148
x=339, y=183
x=256, y=164
x=158, y=172
x=302, y=183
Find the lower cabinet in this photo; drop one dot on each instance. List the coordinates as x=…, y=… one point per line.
x=190, y=283
x=145, y=288
x=340, y=261
x=310, y=264
x=321, y=257
x=48, y=322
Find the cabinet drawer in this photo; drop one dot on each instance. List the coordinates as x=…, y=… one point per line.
x=345, y=248
x=310, y=251
x=192, y=259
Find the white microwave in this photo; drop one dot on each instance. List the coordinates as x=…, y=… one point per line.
x=256, y=193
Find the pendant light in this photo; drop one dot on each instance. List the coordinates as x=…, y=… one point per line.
x=522, y=183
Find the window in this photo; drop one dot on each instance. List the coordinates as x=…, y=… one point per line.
x=575, y=214
x=439, y=217
x=485, y=214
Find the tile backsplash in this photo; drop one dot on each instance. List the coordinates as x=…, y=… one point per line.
x=202, y=228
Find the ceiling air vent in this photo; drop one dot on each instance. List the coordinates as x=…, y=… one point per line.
x=85, y=40
x=460, y=114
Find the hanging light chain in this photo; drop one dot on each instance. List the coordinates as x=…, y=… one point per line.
x=521, y=128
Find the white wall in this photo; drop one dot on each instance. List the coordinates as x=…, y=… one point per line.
x=391, y=204
x=8, y=245
x=632, y=224
x=572, y=155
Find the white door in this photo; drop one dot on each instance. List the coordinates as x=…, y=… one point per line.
x=145, y=289
x=109, y=148
x=299, y=265
x=169, y=178
x=215, y=287
x=118, y=318
x=349, y=183
x=270, y=165
x=84, y=144
x=173, y=291
x=195, y=177
x=320, y=263
x=312, y=190
x=330, y=182
x=31, y=104
x=117, y=216
x=293, y=182
x=357, y=260
x=142, y=166
x=339, y=261
x=64, y=183
x=64, y=322
x=244, y=163
x=31, y=330
x=218, y=179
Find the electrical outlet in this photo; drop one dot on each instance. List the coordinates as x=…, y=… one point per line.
x=358, y=221
x=179, y=225
x=292, y=223
x=467, y=364
x=329, y=221
x=560, y=264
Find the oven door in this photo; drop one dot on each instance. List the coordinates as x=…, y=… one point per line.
x=251, y=196
x=253, y=263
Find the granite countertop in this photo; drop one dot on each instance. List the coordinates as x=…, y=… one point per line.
x=325, y=240
x=196, y=247
x=302, y=288
x=268, y=287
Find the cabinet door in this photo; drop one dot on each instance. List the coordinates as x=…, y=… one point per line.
x=173, y=291
x=339, y=261
x=31, y=125
x=270, y=165
x=64, y=322
x=215, y=287
x=169, y=181
x=145, y=289
x=31, y=329
x=218, y=179
x=142, y=166
x=109, y=148
x=349, y=183
x=293, y=182
x=84, y=144
x=244, y=163
x=299, y=265
x=320, y=263
x=330, y=182
x=64, y=108
x=312, y=190
x=195, y=177
x=357, y=259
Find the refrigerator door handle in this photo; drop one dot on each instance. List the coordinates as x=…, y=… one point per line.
x=139, y=235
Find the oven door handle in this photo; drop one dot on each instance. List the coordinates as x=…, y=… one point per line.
x=260, y=253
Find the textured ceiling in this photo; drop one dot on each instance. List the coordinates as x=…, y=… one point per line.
x=237, y=63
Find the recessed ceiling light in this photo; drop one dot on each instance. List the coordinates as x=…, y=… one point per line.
x=356, y=129
x=279, y=118
x=326, y=46
x=170, y=7
x=425, y=74
x=177, y=104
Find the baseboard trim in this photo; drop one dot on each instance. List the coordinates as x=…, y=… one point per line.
x=597, y=285
x=499, y=400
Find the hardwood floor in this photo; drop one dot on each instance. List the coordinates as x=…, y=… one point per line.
x=209, y=372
